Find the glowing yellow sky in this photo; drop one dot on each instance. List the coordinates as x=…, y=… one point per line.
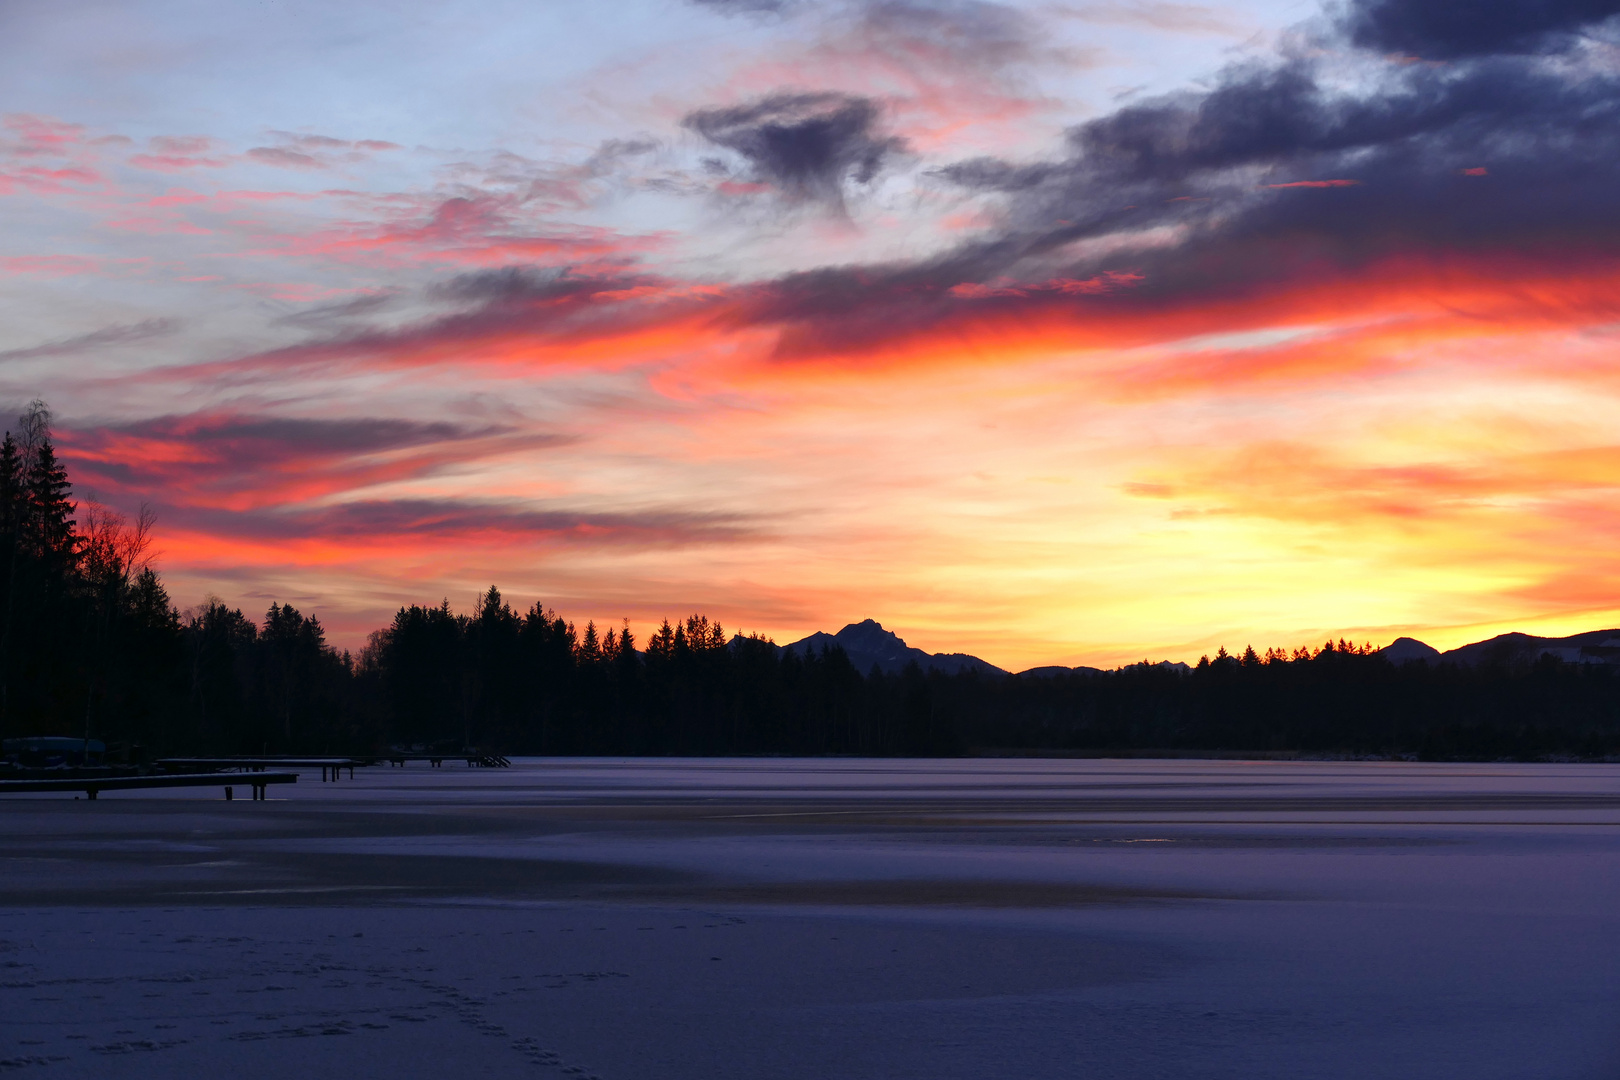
x=1015, y=361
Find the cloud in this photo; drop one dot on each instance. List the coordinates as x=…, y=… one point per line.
x=285, y=158
x=239, y=461
x=119, y=334
x=1284, y=168
x=806, y=145
x=480, y=228
x=379, y=521
x=322, y=315
x=611, y=155
x=51, y=266
x=1445, y=30
x=326, y=143
x=178, y=153
x=746, y=7
x=1179, y=18
x=984, y=38
x=522, y=287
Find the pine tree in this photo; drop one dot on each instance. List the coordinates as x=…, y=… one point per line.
x=149, y=604
x=662, y=643
x=50, y=511
x=11, y=493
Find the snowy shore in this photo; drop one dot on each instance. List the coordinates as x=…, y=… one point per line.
x=824, y=919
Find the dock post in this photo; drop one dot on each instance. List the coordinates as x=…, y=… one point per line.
x=229, y=794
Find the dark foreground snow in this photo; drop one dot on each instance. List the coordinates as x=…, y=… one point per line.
x=666, y=920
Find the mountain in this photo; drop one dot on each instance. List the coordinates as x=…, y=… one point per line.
x=1053, y=670
x=869, y=645
x=1592, y=647
x=1404, y=650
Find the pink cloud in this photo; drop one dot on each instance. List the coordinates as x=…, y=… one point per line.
x=50, y=266
x=741, y=187
x=41, y=134
x=178, y=153
x=175, y=163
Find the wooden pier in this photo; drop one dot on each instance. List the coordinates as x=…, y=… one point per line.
x=94, y=785
x=331, y=767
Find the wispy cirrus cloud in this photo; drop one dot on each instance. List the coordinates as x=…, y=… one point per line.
x=181, y=153
x=237, y=462
x=107, y=336
x=392, y=522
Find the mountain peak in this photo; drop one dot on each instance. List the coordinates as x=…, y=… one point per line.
x=869, y=645
x=1406, y=649
x=869, y=633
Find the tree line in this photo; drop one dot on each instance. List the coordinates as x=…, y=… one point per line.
x=91, y=644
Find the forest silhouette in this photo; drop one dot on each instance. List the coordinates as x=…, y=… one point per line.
x=91, y=645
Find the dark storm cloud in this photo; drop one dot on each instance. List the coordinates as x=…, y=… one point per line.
x=1448, y=29
x=121, y=334
x=806, y=145
x=1502, y=151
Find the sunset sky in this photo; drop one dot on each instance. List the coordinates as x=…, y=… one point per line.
x=1053, y=333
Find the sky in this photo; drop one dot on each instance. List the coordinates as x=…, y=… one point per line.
x=1056, y=333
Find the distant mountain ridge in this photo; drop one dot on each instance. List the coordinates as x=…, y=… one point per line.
x=868, y=645
x=1591, y=647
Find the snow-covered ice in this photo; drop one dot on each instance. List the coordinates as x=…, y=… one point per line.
x=673, y=919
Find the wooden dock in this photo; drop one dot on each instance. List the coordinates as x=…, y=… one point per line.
x=331, y=767
x=94, y=785
x=473, y=760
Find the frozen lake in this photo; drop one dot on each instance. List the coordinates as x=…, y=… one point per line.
x=820, y=919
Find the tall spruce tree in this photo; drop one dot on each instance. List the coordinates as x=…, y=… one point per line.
x=50, y=510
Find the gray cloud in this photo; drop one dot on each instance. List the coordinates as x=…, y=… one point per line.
x=806, y=145
x=1448, y=30
x=227, y=451
x=747, y=7
x=120, y=334
x=327, y=314
x=428, y=517
x=966, y=35
x=282, y=157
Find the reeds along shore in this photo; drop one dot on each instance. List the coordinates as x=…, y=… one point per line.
x=90, y=644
